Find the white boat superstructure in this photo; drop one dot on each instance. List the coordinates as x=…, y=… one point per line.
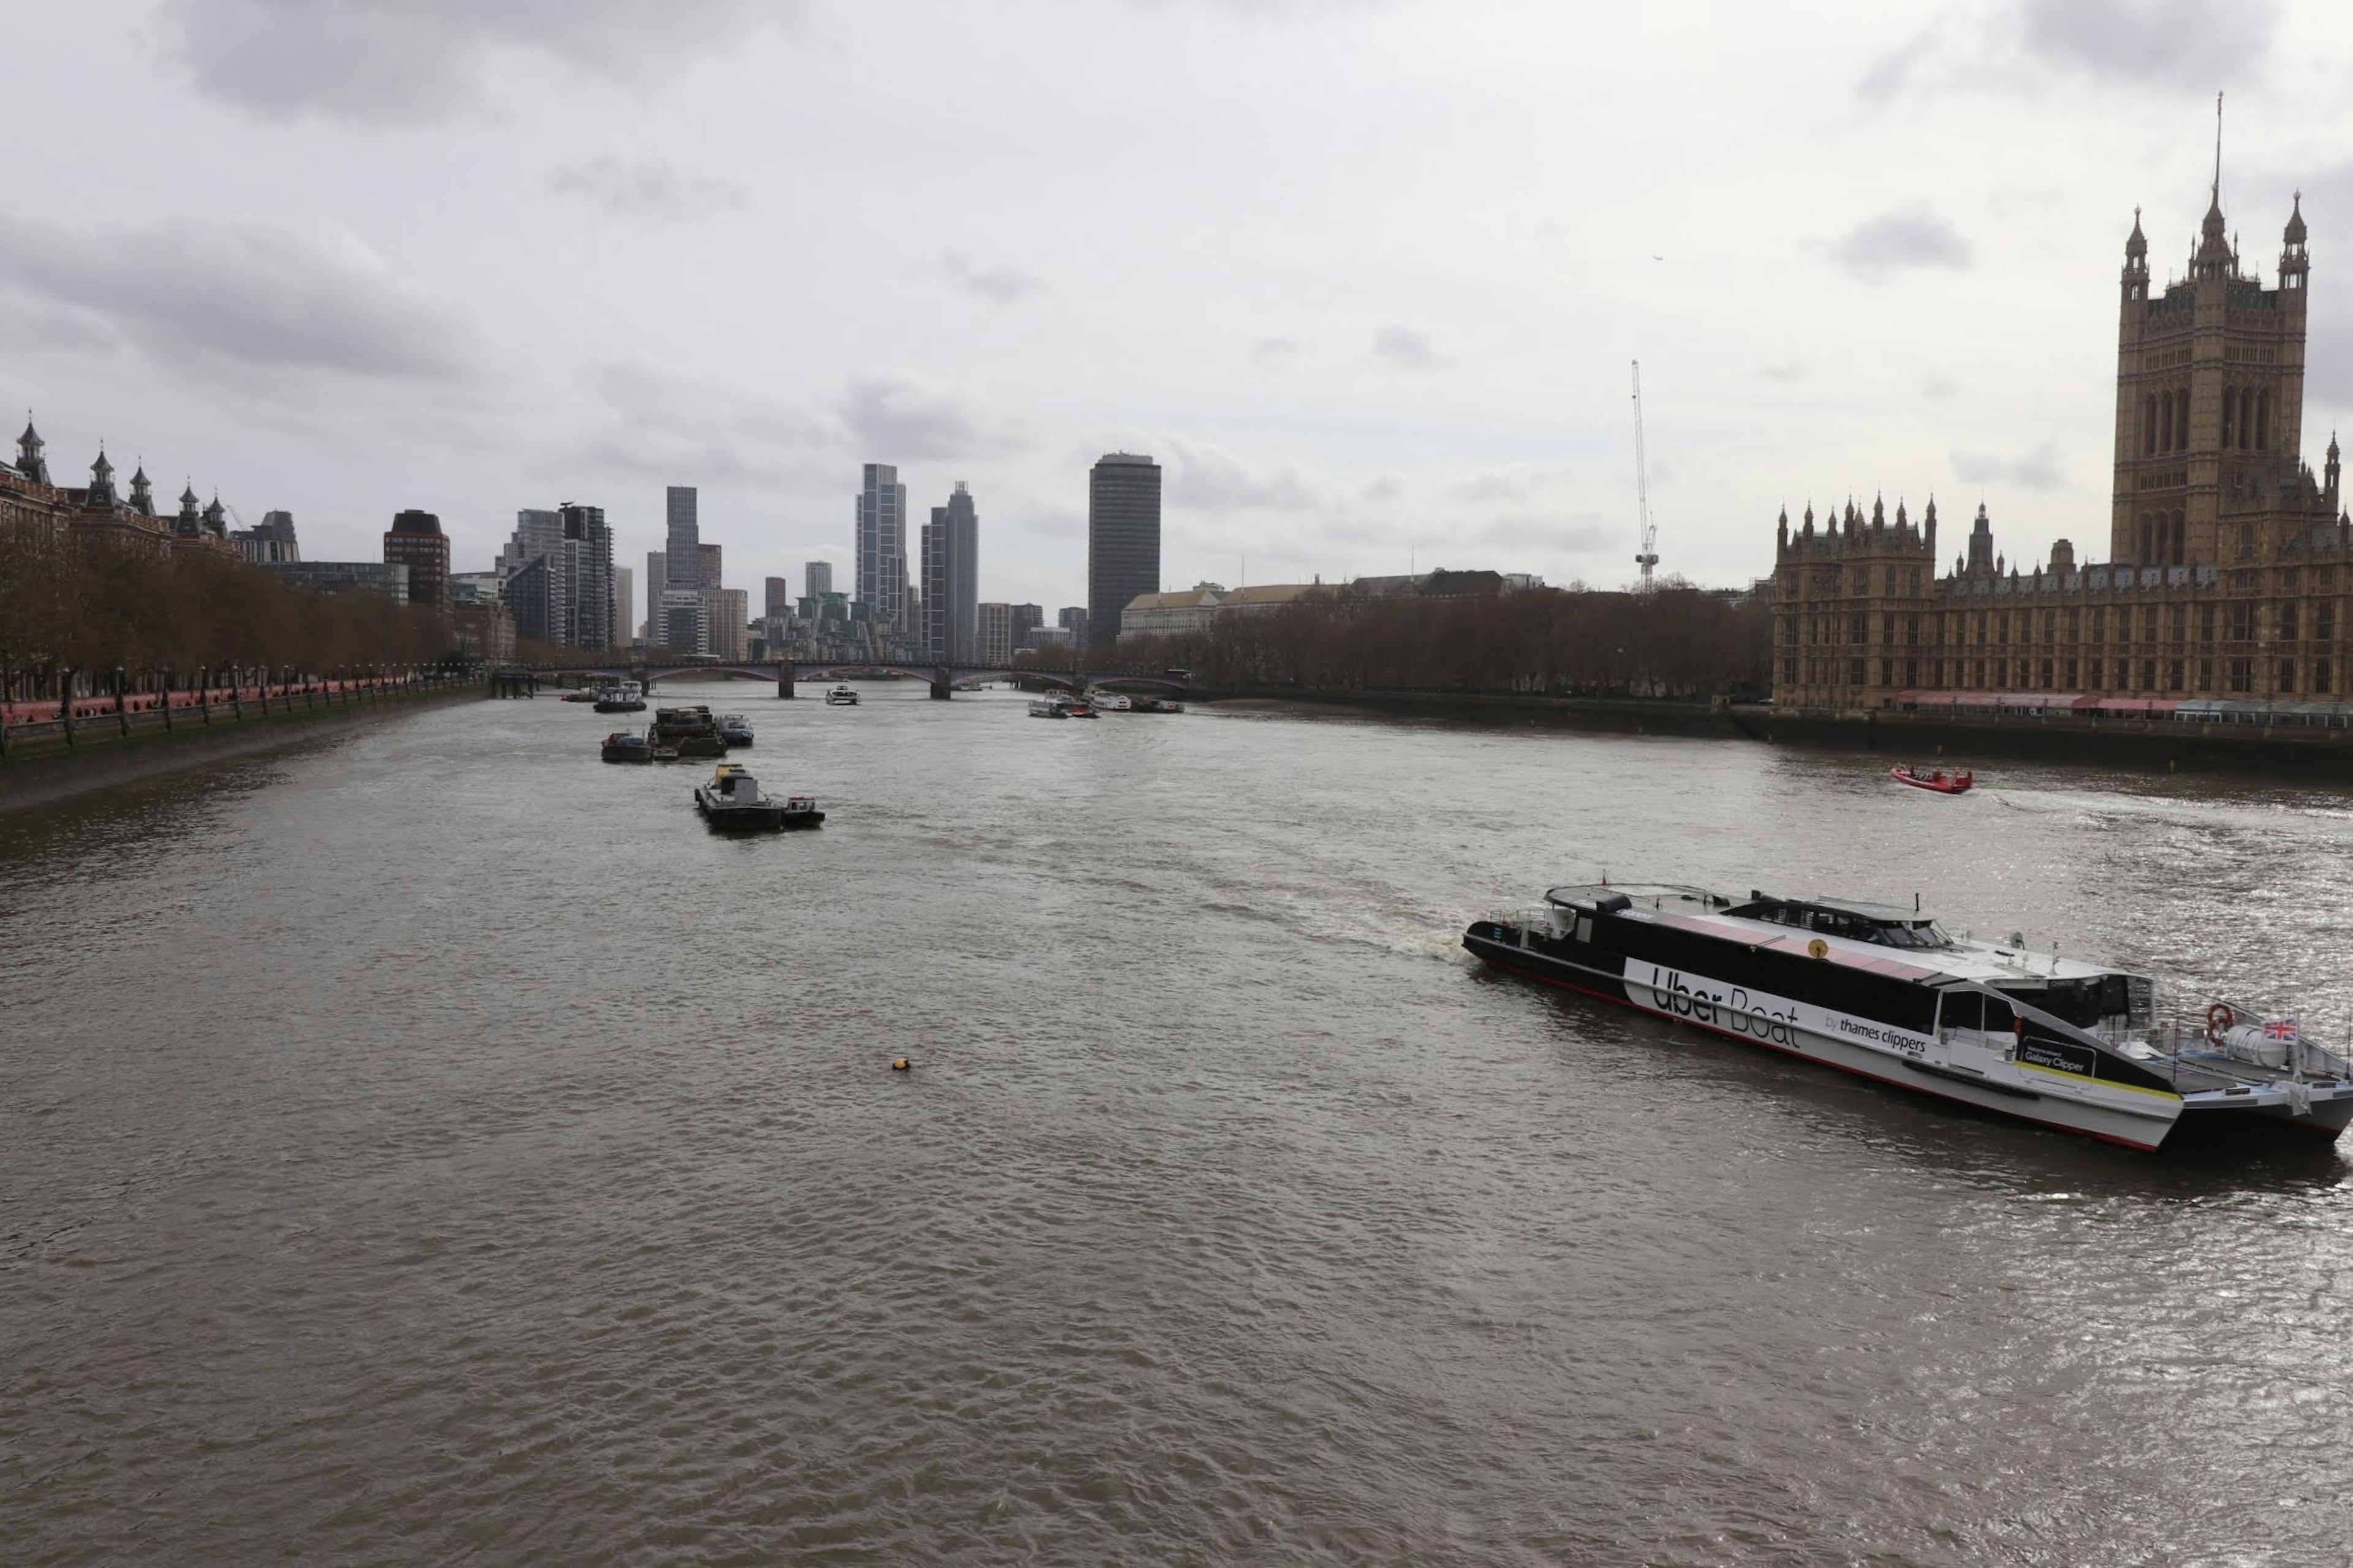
x=1887, y=994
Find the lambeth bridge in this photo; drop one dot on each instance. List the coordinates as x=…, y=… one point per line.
x=945, y=680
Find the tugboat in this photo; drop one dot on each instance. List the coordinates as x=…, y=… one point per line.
x=628, y=697
x=691, y=730
x=732, y=800
x=621, y=746
x=1884, y=992
x=1939, y=780
x=842, y=697
x=734, y=730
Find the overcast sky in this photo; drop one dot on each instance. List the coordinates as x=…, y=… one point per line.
x=1365, y=276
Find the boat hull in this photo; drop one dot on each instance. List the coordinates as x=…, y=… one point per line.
x=1598, y=973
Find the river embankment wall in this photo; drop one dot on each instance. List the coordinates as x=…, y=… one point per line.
x=1621, y=715
x=2155, y=744
x=40, y=765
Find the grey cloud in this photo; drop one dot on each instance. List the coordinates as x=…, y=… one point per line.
x=1055, y=522
x=1937, y=388
x=661, y=427
x=1577, y=533
x=1213, y=479
x=645, y=190
x=2028, y=44
x=899, y=421
x=2036, y=470
x=1274, y=351
x=2159, y=43
x=1402, y=347
x=1006, y=285
x=1384, y=488
x=1515, y=483
x=414, y=60
x=1909, y=237
x=262, y=296
x=1783, y=374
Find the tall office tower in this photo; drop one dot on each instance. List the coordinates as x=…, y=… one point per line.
x=711, y=575
x=951, y=578
x=539, y=537
x=730, y=622
x=1027, y=618
x=685, y=531
x=416, y=541
x=779, y=600
x=625, y=605
x=882, y=542
x=1123, y=539
x=816, y=578
x=588, y=551
x=656, y=583
x=993, y=633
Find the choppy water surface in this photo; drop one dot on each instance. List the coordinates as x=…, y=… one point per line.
x=433, y=1146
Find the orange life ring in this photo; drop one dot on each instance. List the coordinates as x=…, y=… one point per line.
x=2219, y=1018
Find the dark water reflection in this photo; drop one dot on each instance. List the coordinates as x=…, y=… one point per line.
x=434, y=1146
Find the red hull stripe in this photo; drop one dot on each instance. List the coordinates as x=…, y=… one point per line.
x=1822, y=1061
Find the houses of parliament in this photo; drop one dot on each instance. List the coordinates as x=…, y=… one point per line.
x=2228, y=558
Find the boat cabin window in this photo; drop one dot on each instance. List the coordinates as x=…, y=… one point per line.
x=2083, y=1001
x=1962, y=1010
x=1850, y=923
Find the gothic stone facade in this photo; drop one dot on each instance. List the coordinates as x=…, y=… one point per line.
x=2230, y=560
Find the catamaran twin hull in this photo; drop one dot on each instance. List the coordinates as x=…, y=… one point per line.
x=1985, y=1025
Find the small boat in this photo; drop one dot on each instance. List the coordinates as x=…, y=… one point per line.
x=621, y=746
x=584, y=695
x=1939, y=780
x=1060, y=706
x=842, y=697
x=626, y=698
x=691, y=730
x=734, y=730
x=733, y=801
x=1109, y=702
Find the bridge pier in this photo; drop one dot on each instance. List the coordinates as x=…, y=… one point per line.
x=942, y=684
x=785, y=677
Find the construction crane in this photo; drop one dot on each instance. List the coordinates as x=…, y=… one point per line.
x=1649, y=558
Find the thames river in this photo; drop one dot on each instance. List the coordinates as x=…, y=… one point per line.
x=431, y=1145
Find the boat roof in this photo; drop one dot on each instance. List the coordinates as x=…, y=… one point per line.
x=1713, y=914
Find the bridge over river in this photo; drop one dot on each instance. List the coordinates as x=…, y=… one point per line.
x=945, y=680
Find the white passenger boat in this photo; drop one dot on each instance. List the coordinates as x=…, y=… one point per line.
x=842, y=697
x=1108, y=701
x=1887, y=993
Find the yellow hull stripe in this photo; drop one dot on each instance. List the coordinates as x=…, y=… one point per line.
x=2103, y=1082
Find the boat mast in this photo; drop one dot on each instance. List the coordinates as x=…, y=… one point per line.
x=1648, y=559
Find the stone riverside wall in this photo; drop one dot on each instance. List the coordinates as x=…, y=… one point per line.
x=38, y=764
x=2307, y=749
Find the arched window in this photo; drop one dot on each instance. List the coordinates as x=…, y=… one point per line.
x=2264, y=423
x=2232, y=423
x=2148, y=535
x=2180, y=538
x=2165, y=422
x=2148, y=426
x=2181, y=421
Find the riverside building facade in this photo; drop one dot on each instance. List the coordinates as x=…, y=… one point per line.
x=2229, y=562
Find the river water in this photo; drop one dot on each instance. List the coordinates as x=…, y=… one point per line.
x=432, y=1146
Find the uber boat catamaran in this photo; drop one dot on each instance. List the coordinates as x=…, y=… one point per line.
x=1885, y=992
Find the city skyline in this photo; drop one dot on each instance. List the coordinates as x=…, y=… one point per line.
x=1881, y=266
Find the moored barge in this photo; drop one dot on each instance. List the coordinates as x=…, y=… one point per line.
x=1887, y=993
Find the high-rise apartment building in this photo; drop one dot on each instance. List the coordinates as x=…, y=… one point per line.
x=731, y=616
x=416, y=541
x=816, y=578
x=1123, y=539
x=994, y=635
x=625, y=606
x=881, y=542
x=779, y=599
x=1027, y=618
x=685, y=530
x=951, y=579
x=588, y=551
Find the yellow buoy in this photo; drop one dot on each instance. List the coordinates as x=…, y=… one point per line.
x=900, y=1064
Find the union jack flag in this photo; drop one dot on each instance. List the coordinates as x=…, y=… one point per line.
x=2282, y=1029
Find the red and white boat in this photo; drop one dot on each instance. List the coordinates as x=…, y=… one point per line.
x=1940, y=781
